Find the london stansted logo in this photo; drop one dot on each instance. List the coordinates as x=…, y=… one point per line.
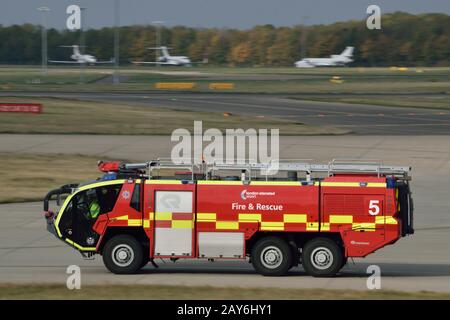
x=245, y=194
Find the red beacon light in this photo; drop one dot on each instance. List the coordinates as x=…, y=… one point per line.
x=111, y=166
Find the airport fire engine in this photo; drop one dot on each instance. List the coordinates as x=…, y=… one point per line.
x=316, y=215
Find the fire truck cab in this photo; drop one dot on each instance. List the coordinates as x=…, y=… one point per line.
x=308, y=214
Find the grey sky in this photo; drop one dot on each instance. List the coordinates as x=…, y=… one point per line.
x=212, y=13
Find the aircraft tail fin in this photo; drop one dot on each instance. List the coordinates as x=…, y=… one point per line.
x=75, y=47
x=164, y=51
x=348, y=52
x=76, y=50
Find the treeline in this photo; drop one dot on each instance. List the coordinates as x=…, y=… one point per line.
x=404, y=39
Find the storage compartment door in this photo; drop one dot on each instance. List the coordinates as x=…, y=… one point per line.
x=174, y=225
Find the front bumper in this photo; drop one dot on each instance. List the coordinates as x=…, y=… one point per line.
x=50, y=216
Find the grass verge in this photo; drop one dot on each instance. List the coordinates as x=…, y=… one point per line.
x=41, y=173
x=86, y=117
x=158, y=292
x=288, y=80
x=432, y=102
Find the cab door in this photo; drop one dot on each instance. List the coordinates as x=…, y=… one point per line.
x=173, y=227
x=82, y=210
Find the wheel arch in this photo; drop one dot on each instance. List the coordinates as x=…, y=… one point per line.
x=298, y=239
x=111, y=232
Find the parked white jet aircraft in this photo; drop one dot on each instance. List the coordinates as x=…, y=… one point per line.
x=81, y=58
x=334, y=60
x=167, y=59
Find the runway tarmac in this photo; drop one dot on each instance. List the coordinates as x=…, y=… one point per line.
x=419, y=262
x=28, y=254
x=360, y=119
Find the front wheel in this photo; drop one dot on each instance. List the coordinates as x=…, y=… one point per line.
x=271, y=257
x=322, y=257
x=123, y=254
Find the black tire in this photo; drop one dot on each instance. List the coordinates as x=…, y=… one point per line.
x=272, y=256
x=322, y=257
x=123, y=254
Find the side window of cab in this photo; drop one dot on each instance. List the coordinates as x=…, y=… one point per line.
x=91, y=203
x=107, y=197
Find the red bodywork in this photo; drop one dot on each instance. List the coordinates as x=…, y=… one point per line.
x=342, y=205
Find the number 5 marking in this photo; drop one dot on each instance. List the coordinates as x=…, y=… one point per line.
x=374, y=207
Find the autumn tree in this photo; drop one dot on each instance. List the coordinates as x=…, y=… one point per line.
x=405, y=39
x=240, y=54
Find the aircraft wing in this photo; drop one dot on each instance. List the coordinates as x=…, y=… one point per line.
x=104, y=62
x=151, y=62
x=68, y=62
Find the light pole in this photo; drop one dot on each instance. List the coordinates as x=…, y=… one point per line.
x=158, y=25
x=116, y=75
x=303, y=40
x=82, y=42
x=43, y=11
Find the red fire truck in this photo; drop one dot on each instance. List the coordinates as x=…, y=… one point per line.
x=316, y=215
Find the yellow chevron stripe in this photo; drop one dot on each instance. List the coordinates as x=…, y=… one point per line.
x=135, y=222
x=219, y=182
x=312, y=226
x=182, y=224
x=206, y=217
x=246, y=217
x=163, y=182
x=296, y=218
x=325, y=226
x=363, y=226
x=341, y=219
x=272, y=228
x=272, y=224
x=385, y=220
x=275, y=183
x=353, y=184
x=232, y=225
x=163, y=216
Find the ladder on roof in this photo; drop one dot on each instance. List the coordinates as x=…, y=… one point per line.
x=342, y=166
x=336, y=166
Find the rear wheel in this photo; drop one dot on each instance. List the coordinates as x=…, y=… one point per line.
x=123, y=254
x=271, y=257
x=322, y=257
